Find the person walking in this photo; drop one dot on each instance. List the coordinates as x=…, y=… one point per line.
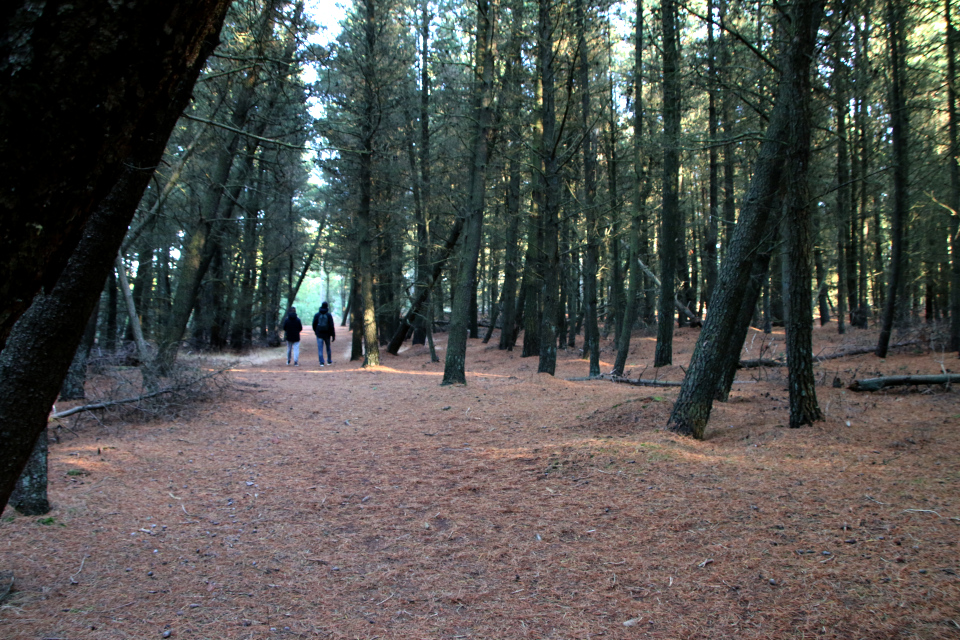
x=291, y=329
x=323, y=326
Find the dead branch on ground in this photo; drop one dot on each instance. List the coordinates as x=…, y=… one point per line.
x=876, y=384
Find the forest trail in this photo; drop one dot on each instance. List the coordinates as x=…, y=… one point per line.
x=339, y=502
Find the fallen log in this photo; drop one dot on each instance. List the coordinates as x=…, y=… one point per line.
x=862, y=350
x=876, y=384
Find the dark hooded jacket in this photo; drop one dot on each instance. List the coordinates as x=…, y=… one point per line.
x=292, y=328
x=323, y=324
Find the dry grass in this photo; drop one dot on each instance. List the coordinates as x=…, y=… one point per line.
x=343, y=503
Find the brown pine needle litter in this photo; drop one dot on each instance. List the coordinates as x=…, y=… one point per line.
x=338, y=502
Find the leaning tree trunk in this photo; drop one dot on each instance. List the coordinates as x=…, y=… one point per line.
x=82, y=86
x=167, y=54
x=695, y=401
x=29, y=497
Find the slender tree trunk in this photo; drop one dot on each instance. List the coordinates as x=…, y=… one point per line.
x=551, y=190
x=799, y=236
x=455, y=363
x=592, y=254
x=670, y=215
x=954, y=165
x=73, y=384
x=424, y=212
x=899, y=133
x=641, y=191
x=150, y=382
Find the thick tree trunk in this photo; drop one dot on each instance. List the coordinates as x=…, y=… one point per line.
x=29, y=497
x=82, y=84
x=119, y=150
x=691, y=411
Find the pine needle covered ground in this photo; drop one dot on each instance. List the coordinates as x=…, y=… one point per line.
x=342, y=503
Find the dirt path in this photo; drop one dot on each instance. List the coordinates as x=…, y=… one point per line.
x=338, y=502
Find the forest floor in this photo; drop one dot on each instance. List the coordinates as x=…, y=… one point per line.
x=338, y=502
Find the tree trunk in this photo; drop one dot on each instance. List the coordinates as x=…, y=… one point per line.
x=799, y=236
x=954, y=165
x=29, y=497
x=455, y=363
x=641, y=191
x=73, y=383
x=691, y=411
x=592, y=254
x=901, y=201
x=82, y=84
x=670, y=216
x=551, y=190
x=40, y=347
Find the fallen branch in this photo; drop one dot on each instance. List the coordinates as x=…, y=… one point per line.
x=862, y=350
x=876, y=384
x=639, y=382
x=760, y=362
x=145, y=396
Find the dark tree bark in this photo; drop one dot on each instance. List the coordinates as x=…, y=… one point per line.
x=759, y=279
x=422, y=301
x=455, y=363
x=511, y=266
x=29, y=497
x=550, y=212
x=691, y=411
x=954, y=179
x=588, y=146
x=73, y=383
x=713, y=211
x=844, y=294
x=899, y=133
x=365, y=228
x=82, y=83
x=641, y=191
x=670, y=215
x=799, y=236
x=423, y=179
x=142, y=59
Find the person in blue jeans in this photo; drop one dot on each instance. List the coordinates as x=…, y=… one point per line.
x=326, y=333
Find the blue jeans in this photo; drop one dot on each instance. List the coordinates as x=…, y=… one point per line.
x=320, y=343
x=293, y=348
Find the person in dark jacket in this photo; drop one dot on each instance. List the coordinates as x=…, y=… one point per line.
x=291, y=330
x=323, y=326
